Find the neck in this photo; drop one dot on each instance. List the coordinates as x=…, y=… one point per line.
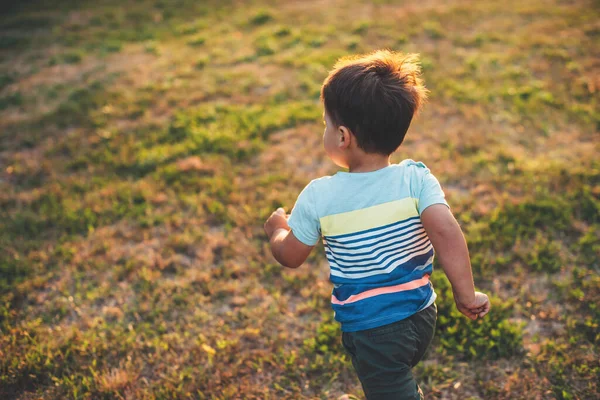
x=368, y=162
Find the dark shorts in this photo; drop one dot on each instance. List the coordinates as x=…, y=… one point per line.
x=383, y=356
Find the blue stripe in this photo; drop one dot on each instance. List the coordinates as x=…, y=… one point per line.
x=339, y=255
x=357, y=286
x=372, y=244
x=362, y=239
x=387, y=278
x=360, y=314
x=361, y=268
x=372, y=229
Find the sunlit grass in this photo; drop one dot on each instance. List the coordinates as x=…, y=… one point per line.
x=142, y=145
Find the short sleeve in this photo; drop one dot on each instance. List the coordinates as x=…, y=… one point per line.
x=303, y=220
x=430, y=192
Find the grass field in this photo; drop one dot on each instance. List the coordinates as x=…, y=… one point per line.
x=143, y=144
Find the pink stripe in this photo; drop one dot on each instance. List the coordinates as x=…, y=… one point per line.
x=384, y=290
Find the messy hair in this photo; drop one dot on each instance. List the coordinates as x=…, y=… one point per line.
x=375, y=96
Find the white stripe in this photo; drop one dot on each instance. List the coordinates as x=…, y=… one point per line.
x=380, y=255
x=422, y=267
x=386, y=243
x=375, y=250
x=370, y=266
x=383, y=237
x=359, y=235
x=387, y=270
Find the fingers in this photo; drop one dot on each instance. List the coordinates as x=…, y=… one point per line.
x=467, y=313
x=280, y=211
x=475, y=312
x=485, y=309
x=277, y=219
x=481, y=311
x=483, y=306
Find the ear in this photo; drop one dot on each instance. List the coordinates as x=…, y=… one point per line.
x=345, y=137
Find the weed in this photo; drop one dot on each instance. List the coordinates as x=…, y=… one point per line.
x=261, y=17
x=12, y=100
x=489, y=338
x=198, y=41
x=361, y=27
x=71, y=57
x=12, y=42
x=433, y=29
x=5, y=80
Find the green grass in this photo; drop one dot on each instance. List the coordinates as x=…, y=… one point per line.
x=144, y=143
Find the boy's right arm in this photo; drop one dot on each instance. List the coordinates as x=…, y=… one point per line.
x=451, y=249
x=286, y=248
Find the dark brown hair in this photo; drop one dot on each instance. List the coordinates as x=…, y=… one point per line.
x=375, y=96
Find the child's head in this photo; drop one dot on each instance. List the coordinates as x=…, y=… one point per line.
x=374, y=98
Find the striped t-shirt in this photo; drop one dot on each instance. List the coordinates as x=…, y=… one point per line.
x=379, y=254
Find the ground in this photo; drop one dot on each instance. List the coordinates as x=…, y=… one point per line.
x=143, y=144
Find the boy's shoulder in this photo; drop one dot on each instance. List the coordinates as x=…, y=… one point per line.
x=410, y=163
x=320, y=183
x=410, y=167
x=415, y=169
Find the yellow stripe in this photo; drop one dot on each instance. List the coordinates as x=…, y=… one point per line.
x=370, y=217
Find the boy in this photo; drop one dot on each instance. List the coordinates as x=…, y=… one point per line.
x=380, y=224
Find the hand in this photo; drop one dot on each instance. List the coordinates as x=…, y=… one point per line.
x=477, y=307
x=277, y=220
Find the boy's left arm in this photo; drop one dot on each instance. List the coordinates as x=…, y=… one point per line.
x=286, y=248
